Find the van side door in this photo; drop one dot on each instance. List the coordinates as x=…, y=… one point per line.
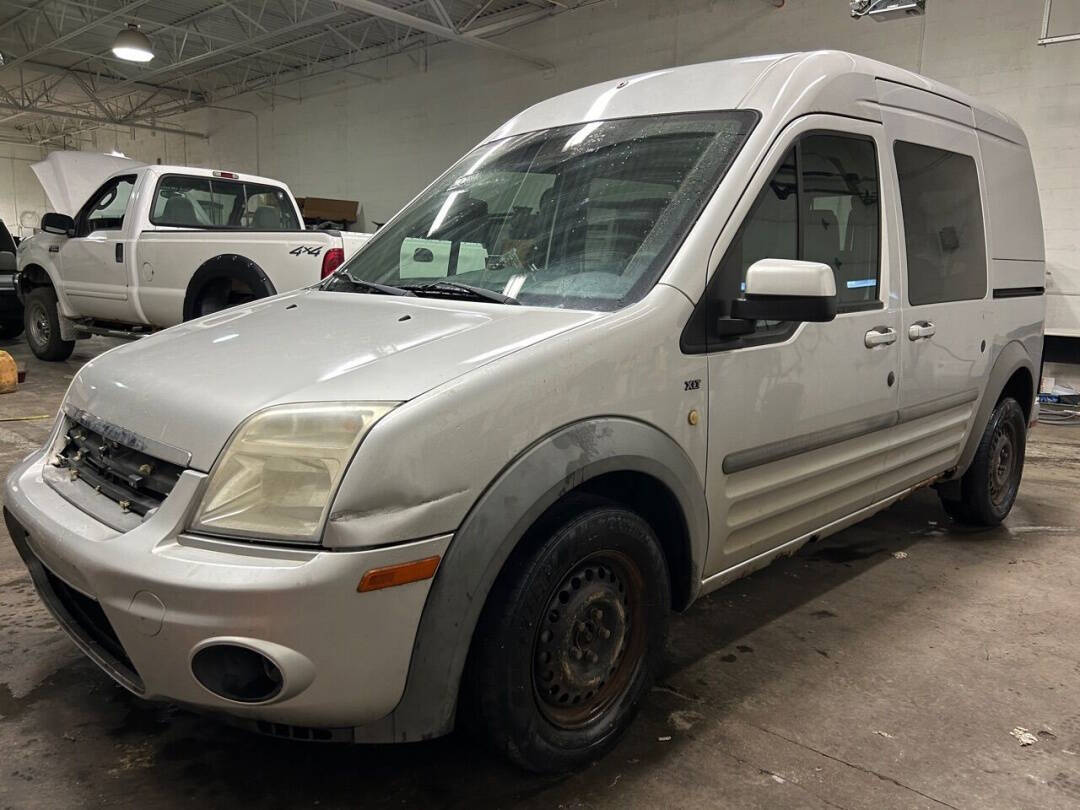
x=93, y=261
x=948, y=325
x=799, y=412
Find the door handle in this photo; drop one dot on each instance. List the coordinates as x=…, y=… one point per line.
x=879, y=336
x=921, y=330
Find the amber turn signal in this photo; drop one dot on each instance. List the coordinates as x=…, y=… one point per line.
x=401, y=574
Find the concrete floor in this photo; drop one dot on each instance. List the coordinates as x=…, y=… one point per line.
x=847, y=676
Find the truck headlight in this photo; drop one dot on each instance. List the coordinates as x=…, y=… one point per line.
x=281, y=468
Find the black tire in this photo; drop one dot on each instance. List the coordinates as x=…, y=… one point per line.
x=569, y=639
x=11, y=328
x=988, y=489
x=43, y=326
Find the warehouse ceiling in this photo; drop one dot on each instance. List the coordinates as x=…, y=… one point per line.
x=59, y=77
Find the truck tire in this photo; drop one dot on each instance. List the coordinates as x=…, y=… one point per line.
x=988, y=489
x=570, y=637
x=11, y=327
x=43, y=326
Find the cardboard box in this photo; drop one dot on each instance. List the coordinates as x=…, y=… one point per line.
x=323, y=208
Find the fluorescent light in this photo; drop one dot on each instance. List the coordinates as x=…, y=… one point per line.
x=133, y=45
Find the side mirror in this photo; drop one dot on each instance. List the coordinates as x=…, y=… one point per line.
x=59, y=224
x=7, y=262
x=787, y=290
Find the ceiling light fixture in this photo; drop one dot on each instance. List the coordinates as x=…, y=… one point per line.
x=133, y=45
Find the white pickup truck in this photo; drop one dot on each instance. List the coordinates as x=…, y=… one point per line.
x=153, y=246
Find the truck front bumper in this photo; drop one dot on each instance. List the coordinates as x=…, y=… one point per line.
x=144, y=602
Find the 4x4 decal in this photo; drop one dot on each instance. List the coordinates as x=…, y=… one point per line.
x=306, y=250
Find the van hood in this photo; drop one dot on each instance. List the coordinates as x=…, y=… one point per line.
x=69, y=178
x=191, y=386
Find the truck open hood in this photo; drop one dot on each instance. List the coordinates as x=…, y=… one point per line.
x=191, y=386
x=69, y=178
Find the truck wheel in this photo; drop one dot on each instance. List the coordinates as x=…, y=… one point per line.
x=11, y=328
x=988, y=489
x=569, y=640
x=43, y=326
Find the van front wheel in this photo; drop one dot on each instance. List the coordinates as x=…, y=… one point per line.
x=988, y=489
x=569, y=640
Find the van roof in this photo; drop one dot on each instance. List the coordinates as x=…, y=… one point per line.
x=779, y=85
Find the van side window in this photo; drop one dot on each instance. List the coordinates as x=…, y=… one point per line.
x=106, y=211
x=943, y=225
x=770, y=231
x=839, y=213
x=821, y=205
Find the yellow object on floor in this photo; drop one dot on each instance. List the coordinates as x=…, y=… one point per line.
x=9, y=373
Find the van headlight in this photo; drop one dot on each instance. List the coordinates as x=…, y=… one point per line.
x=281, y=468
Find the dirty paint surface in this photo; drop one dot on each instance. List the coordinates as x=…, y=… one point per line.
x=844, y=676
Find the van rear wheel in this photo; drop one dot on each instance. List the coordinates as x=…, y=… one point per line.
x=569, y=639
x=42, y=322
x=988, y=489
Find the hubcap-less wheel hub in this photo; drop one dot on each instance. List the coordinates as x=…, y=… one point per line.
x=39, y=324
x=1003, y=462
x=589, y=643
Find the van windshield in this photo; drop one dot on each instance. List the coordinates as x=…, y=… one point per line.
x=581, y=217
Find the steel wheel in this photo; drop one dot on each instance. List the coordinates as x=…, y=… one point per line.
x=591, y=641
x=1003, y=466
x=37, y=319
x=990, y=485
x=570, y=636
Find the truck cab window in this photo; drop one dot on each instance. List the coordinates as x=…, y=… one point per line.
x=106, y=211
x=202, y=202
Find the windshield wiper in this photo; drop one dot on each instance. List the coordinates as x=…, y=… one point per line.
x=373, y=286
x=451, y=287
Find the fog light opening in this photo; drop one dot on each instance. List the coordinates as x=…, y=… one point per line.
x=237, y=673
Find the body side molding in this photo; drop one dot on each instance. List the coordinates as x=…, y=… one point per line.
x=1018, y=292
x=777, y=451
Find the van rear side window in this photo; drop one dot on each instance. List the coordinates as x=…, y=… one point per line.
x=943, y=224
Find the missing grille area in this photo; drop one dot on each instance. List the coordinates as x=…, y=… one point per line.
x=135, y=480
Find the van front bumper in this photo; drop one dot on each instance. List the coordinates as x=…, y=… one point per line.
x=142, y=603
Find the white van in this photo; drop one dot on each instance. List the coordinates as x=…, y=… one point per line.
x=646, y=337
